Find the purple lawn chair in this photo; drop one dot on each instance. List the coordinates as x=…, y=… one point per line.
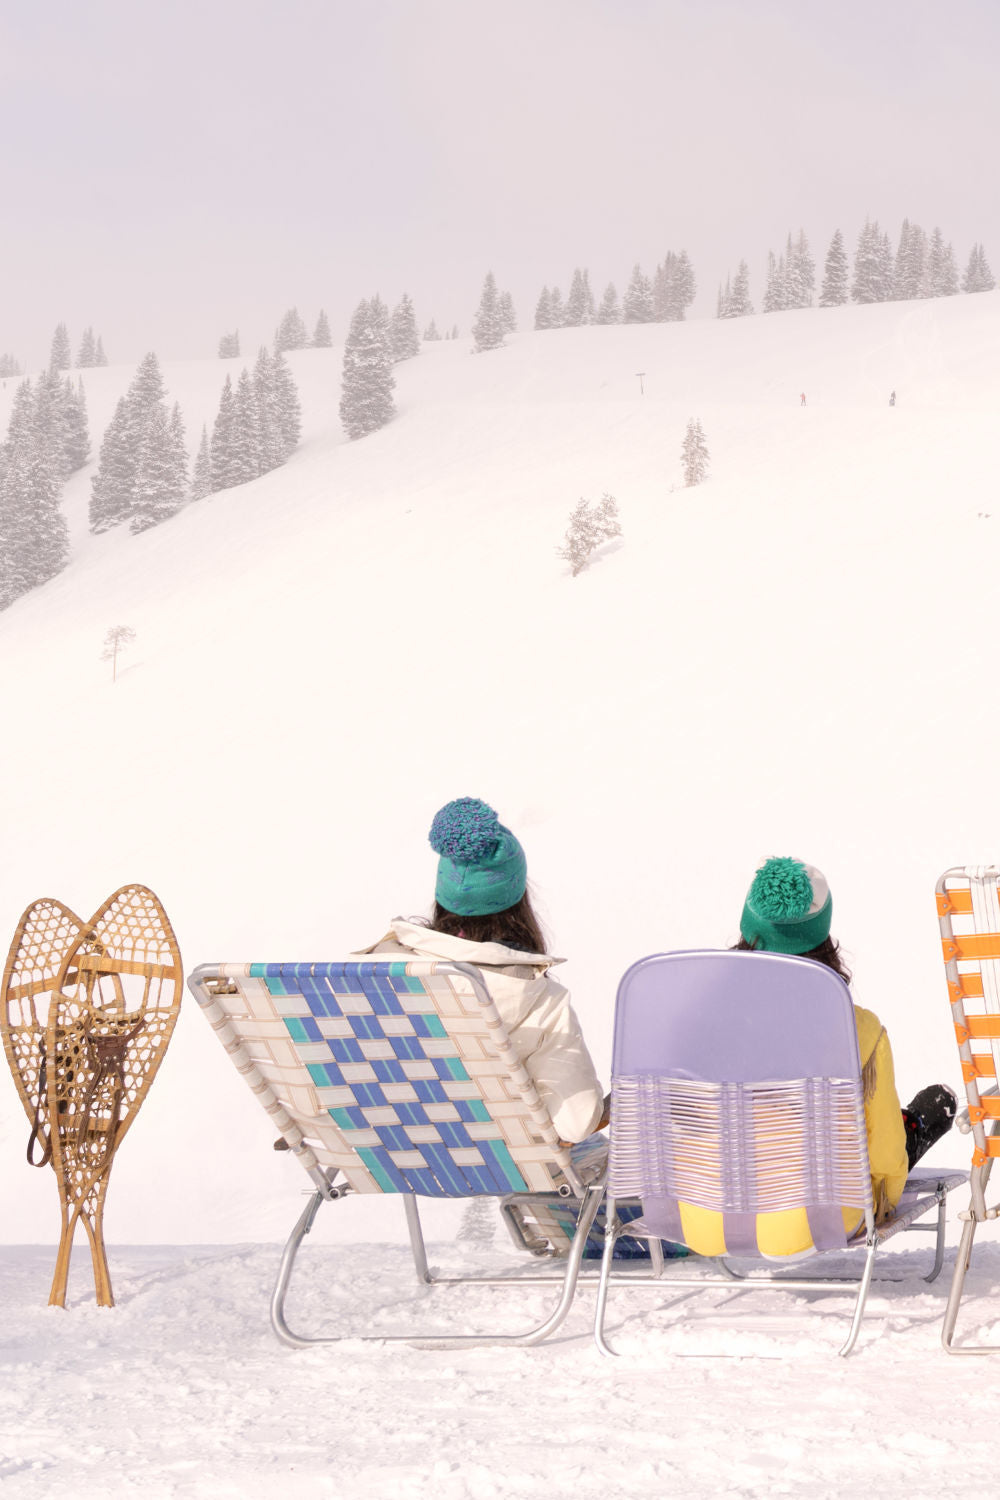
x=736, y=1088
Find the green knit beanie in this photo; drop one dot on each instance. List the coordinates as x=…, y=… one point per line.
x=788, y=907
x=482, y=868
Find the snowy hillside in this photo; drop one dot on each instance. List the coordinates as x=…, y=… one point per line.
x=796, y=657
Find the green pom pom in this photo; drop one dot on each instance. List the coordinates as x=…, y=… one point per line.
x=781, y=890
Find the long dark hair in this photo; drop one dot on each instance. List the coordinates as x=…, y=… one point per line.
x=515, y=927
x=828, y=952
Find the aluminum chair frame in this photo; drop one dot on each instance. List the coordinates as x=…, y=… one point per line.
x=276, y=1048
x=679, y=1089
x=968, y=905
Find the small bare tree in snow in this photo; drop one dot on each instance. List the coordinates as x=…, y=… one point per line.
x=694, y=453
x=116, y=640
x=589, y=526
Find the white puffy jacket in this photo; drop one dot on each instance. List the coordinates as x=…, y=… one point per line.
x=536, y=1010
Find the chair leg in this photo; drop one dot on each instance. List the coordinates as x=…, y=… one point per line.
x=942, y=1198
x=588, y=1213
x=962, y=1259
x=612, y=1229
x=859, y=1306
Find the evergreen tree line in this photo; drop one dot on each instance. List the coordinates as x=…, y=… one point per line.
x=256, y=430
x=291, y=333
x=920, y=266
x=431, y=335
x=47, y=440
x=8, y=366
x=664, y=298
x=89, y=355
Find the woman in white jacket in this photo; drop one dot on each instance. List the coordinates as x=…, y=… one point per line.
x=482, y=916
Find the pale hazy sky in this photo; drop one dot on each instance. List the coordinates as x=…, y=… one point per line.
x=177, y=168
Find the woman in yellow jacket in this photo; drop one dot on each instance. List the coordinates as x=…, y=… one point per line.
x=789, y=909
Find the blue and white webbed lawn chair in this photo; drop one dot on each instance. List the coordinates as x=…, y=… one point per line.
x=394, y=1077
x=736, y=1094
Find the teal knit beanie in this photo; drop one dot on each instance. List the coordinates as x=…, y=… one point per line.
x=482, y=868
x=788, y=907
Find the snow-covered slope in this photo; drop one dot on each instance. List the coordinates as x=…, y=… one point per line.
x=797, y=657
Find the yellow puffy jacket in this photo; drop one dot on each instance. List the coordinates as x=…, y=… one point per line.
x=787, y=1233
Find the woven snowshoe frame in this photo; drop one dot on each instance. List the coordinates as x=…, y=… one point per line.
x=89, y=1008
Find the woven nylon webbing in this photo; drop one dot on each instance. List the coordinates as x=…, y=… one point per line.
x=740, y=1148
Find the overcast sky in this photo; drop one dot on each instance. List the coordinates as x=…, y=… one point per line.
x=175, y=170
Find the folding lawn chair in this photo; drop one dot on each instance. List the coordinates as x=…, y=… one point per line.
x=968, y=903
x=394, y=1077
x=736, y=1088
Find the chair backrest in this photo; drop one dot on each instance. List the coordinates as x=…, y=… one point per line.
x=736, y=1087
x=399, y=1075
x=968, y=903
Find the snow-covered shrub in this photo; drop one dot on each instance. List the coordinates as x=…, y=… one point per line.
x=694, y=453
x=589, y=526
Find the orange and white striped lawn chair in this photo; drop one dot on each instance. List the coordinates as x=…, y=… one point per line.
x=968, y=903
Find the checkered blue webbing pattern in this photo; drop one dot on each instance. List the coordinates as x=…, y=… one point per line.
x=415, y=1098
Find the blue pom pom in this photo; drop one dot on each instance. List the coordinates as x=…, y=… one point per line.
x=466, y=831
x=781, y=890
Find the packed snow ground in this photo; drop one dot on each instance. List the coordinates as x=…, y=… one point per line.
x=797, y=657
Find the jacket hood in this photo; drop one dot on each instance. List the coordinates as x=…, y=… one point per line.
x=431, y=944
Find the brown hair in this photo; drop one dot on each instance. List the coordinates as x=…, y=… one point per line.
x=828, y=952
x=515, y=927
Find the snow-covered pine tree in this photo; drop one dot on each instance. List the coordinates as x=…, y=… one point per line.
x=868, y=281
x=159, y=490
x=637, y=303
x=946, y=278
x=609, y=310
x=221, y=451
x=290, y=333
x=34, y=539
x=508, y=317
x=112, y=485
x=287, y=406
x=366, y=401
x=543, y=310
x=321, y=338
x=245, y=455
x=673, y=288
x=685, y=285
x=775, y=285
x=60, y=357
x=53, y=443
x=178, y=449
x=431, y=335
x=201, y=476
x=87, y=354
x=100, y=358
x=76, y=438
x=403, y=335
x=908, y=272
x=833, y=292
x=8, y=366
x=694, y=453
x=736, y=303
x=978, y=277
x=722, y=300
x=270, y=438
x=229, y=345
x=487, y=329
x=580, y=302
x=801, y=271
x=557, y=311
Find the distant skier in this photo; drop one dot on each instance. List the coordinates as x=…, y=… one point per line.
x=802, y=399
x=892, y=398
